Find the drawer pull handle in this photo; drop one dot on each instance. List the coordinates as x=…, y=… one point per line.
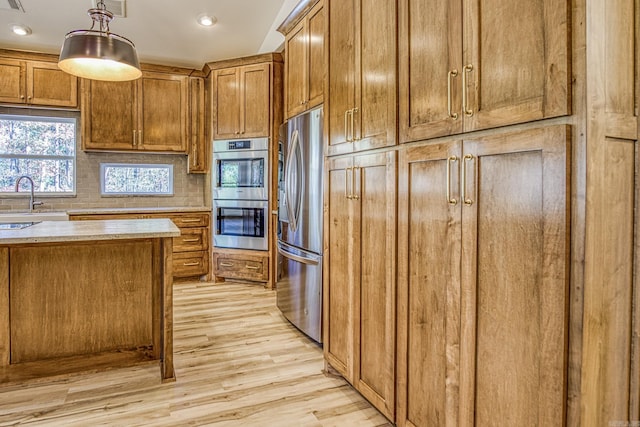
x=226, y=264
x=191, y=240
x=190, y=220
x=249, y=267
x=190, y=264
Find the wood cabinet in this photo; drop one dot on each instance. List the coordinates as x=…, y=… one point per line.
x=465, y=67
x=149, y=114
x=198, y=141
x=240, y=264
x=483, y=280
x=241, y=101
x=359, y=274
x=304, y=62
x=36, y=83
x=190, y=250
x=361, y=99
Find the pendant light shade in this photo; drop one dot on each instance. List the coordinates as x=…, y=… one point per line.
x=99, y=54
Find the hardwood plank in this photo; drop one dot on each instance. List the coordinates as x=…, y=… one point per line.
x=237, y=362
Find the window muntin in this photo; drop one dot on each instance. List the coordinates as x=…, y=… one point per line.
x=128, y=179
x=43, y=148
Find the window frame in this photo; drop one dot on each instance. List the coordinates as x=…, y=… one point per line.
x=50, y=117
x=105, y=165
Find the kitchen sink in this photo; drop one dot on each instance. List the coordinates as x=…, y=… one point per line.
x=16, y=225
x=24, y=217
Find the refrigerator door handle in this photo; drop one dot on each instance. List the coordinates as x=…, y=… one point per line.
x=295, y=140
x=282, y=250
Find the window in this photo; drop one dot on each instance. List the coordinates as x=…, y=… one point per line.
x=43, y=148
x=117, y=179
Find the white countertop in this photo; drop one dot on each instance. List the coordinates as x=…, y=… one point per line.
x=73, y=231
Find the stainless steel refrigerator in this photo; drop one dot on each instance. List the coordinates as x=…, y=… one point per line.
x=299, y=285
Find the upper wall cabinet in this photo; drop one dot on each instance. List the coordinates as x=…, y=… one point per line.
x=361, y=98
x=37, y=83
x=304, y=62
x=241, y=101
x=149, y=114
x=479, y=64
x=198, y=144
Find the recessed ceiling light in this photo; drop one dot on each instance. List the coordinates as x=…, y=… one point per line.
x=206, y=20
x=21, y=30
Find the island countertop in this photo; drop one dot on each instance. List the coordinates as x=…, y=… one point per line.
x=73, y=231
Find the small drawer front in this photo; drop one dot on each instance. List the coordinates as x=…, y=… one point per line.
x=191, y=239
x=190, y=220
x=188, y=264
x=242, y=268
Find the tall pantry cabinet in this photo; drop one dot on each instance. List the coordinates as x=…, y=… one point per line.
x=483, y=280
x=479, y=330
x=360, y=197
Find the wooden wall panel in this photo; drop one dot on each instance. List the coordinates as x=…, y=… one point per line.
x=4, y=307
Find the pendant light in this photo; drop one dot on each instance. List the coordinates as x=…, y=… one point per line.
x=99, y=54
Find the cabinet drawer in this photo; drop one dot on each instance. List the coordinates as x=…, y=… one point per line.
x=241, y=267
x=187, y=264
x=191, y=239
x=190, y=220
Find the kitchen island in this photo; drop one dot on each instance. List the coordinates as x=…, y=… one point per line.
x=78, y=296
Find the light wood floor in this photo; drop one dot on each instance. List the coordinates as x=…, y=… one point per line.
x=238, y=363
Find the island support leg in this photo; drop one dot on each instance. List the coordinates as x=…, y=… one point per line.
x=163, y=306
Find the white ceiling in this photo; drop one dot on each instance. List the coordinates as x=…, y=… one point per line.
x=164, y=31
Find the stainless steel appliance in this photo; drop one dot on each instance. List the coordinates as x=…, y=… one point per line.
x=241, y=169
x=241, y=224
x=299, y=285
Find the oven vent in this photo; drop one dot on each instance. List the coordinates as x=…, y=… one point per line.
x=11, y=5
x=117, y=7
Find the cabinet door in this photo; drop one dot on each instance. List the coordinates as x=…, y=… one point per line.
x=429, y=246
x=375, y=114
x=226, y=103
x=13, y=75
x=338, y=264
x=297, y=67
x=518, y=51
x=316, y=62
x=515, y=274
x=108, y=115
x=430, y=61
x=163, y=112
x=198, y=148
x=49, y=85
x=341, y=69
x=374, y=260
x=255, y=100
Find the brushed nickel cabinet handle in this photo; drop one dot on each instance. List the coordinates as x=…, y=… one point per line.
x=191, y=264
x=190, y=220
x=467, y=69
x=450, y=160
x=353, y=128
x=450, y=75
x=191, y=240
x=134, y=138
x=347, y=194
x=346, y=125
x=354, y=194
x=467, y=157
x=226, y=264
x=249, y=267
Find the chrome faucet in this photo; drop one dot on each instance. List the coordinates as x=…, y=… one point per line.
x=32, y=203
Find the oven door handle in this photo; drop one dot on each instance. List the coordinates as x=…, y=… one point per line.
x=293, y=221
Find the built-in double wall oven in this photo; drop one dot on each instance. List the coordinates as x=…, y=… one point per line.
x=241, y=193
